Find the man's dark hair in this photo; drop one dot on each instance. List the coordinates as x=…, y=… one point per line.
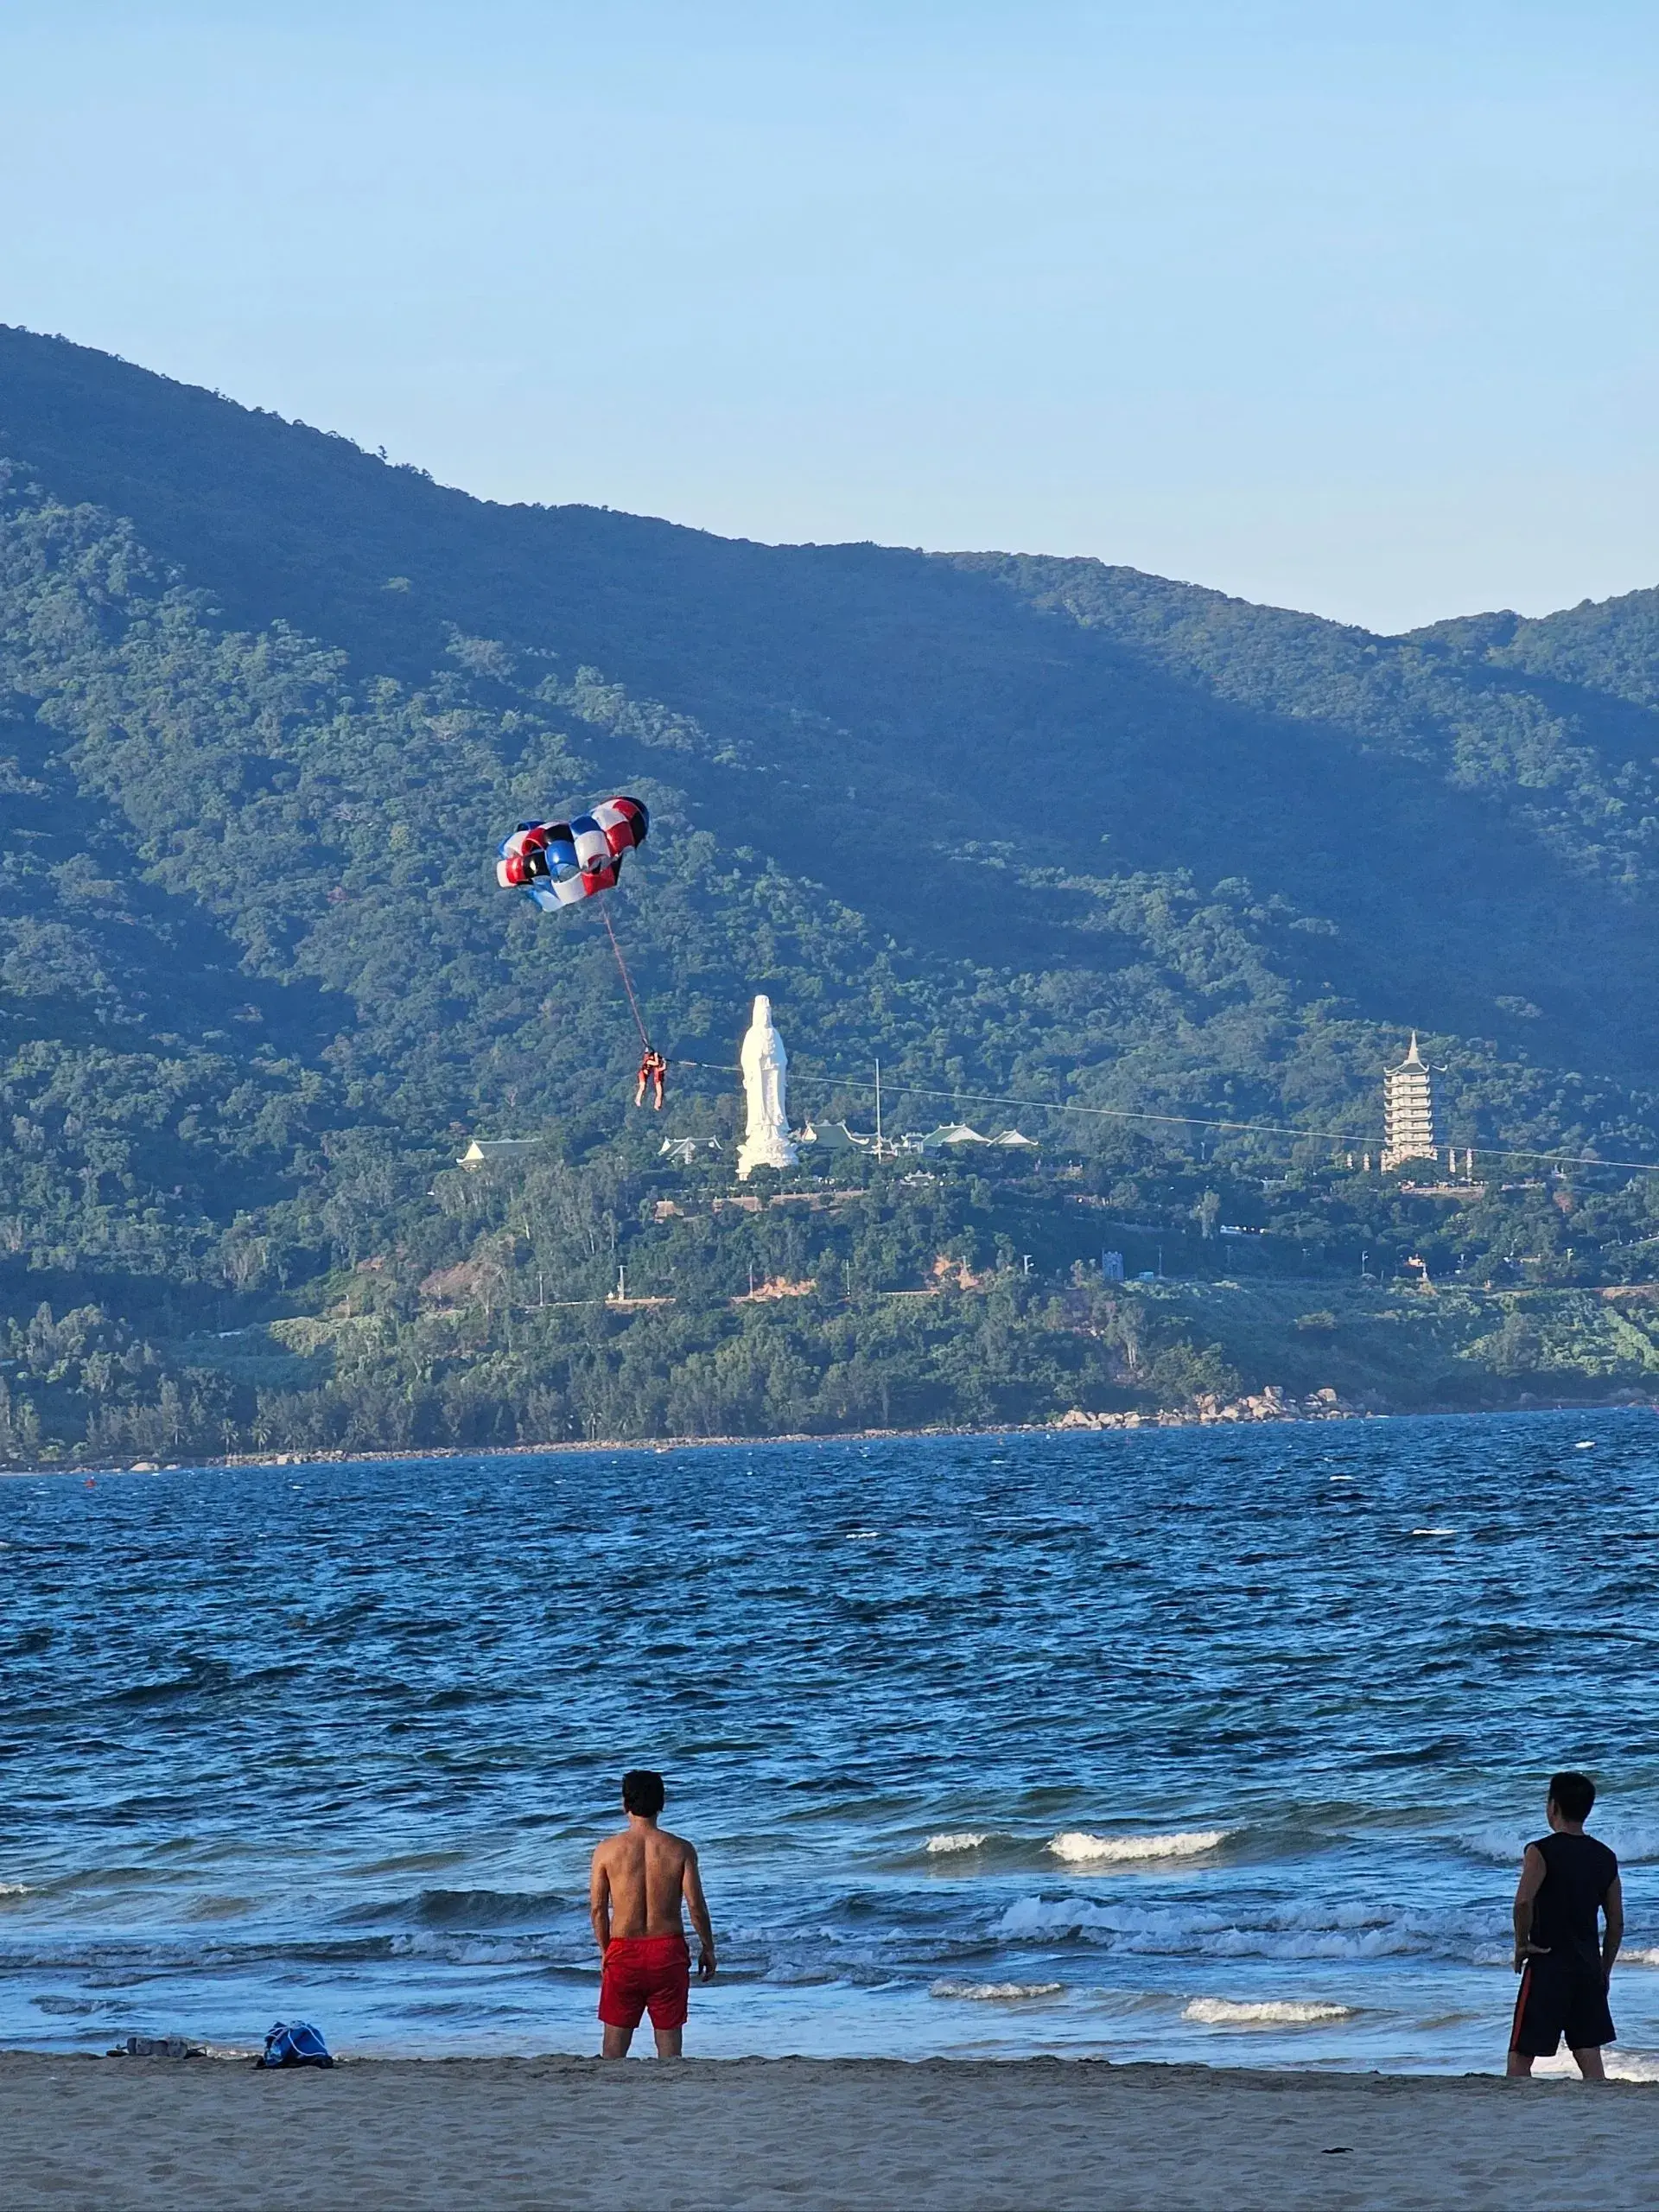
x=643, y=1793
x=1574, y=1795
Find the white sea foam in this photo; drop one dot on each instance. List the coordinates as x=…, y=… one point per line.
x=14, y=1889
x=1223, y=2013
x=1631, y=1840
x=1586, y=1445
x=1621, y=2065
x=1346, y=1932
x=964, y=1840
x=1078, y=1848
x=1648, y=1958
x=1433, y=1532
x=1635, y=1842
x=997, y=1992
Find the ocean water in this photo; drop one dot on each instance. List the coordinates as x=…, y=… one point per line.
x=1189, y=1744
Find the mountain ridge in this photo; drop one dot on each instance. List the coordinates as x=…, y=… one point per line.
x=1044, y=828
x=754, y=643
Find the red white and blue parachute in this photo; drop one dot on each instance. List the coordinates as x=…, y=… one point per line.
x=560, y=864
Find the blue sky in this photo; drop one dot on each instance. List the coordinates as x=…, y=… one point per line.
x=1346, y=306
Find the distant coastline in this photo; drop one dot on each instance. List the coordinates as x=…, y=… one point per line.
x=1288, y=1415
x=234, y=1219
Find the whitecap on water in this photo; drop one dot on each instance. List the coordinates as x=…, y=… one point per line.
x=968, y=1840
x=1498, y=1842
x=1433, y=1532
x=1621, y=2065
x=1116, y=1921
x=1078, y=1848
x=1635, y=1841
x=1004, y=1992
x=1224, y=2012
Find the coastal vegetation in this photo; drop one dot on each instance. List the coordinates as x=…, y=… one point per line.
x=1063, y=846
x=541, y=1299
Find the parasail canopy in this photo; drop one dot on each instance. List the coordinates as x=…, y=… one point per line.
x=561, y=863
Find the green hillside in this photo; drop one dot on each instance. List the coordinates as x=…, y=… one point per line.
x=1027, y=829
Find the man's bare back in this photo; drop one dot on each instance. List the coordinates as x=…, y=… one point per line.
x=639, y=1882
x=640, y=1878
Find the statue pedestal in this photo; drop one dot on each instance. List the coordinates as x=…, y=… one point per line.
x=766, y=1065
x=772, y=1152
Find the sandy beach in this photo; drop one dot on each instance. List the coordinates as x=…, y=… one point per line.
x=527, y=2135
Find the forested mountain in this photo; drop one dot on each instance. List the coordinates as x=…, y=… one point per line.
x=1031, y=828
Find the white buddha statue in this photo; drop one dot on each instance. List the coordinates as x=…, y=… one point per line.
x=766, y=1065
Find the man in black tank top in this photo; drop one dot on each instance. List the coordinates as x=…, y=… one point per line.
x=1568, y=1886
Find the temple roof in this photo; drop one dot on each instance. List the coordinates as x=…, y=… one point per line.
x=1414, y=1059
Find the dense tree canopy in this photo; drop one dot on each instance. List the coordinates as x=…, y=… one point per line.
x=1027, y=830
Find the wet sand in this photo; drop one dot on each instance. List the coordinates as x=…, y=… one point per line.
x=530, y=2135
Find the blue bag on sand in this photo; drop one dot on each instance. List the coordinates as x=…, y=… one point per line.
x=295, y=2043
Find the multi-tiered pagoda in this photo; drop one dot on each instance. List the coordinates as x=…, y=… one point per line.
x=1408, y=1111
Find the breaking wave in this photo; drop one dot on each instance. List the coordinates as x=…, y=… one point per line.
x=1001, y=1992
x=1287, y=2012
x=1078, y=1848
x=1622, y=2066
x=1635, y=1841
x=967, y=1840
x=1313, y=1931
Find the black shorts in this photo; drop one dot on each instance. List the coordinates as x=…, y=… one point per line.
x=1556, y=2001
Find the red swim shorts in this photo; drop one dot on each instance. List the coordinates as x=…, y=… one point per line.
x=645, y=1973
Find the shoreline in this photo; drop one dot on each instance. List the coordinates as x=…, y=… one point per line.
x=935, y=2135
x=1286, y=1416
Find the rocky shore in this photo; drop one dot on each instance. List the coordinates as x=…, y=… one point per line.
x=1210, y=1411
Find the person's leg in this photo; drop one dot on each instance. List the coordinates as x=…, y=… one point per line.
x=619, y=2007
x=668, y=2000
x=1588, y=2027
x=1527, y=2000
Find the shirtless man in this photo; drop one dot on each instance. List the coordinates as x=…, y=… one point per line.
x=635, y=1894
